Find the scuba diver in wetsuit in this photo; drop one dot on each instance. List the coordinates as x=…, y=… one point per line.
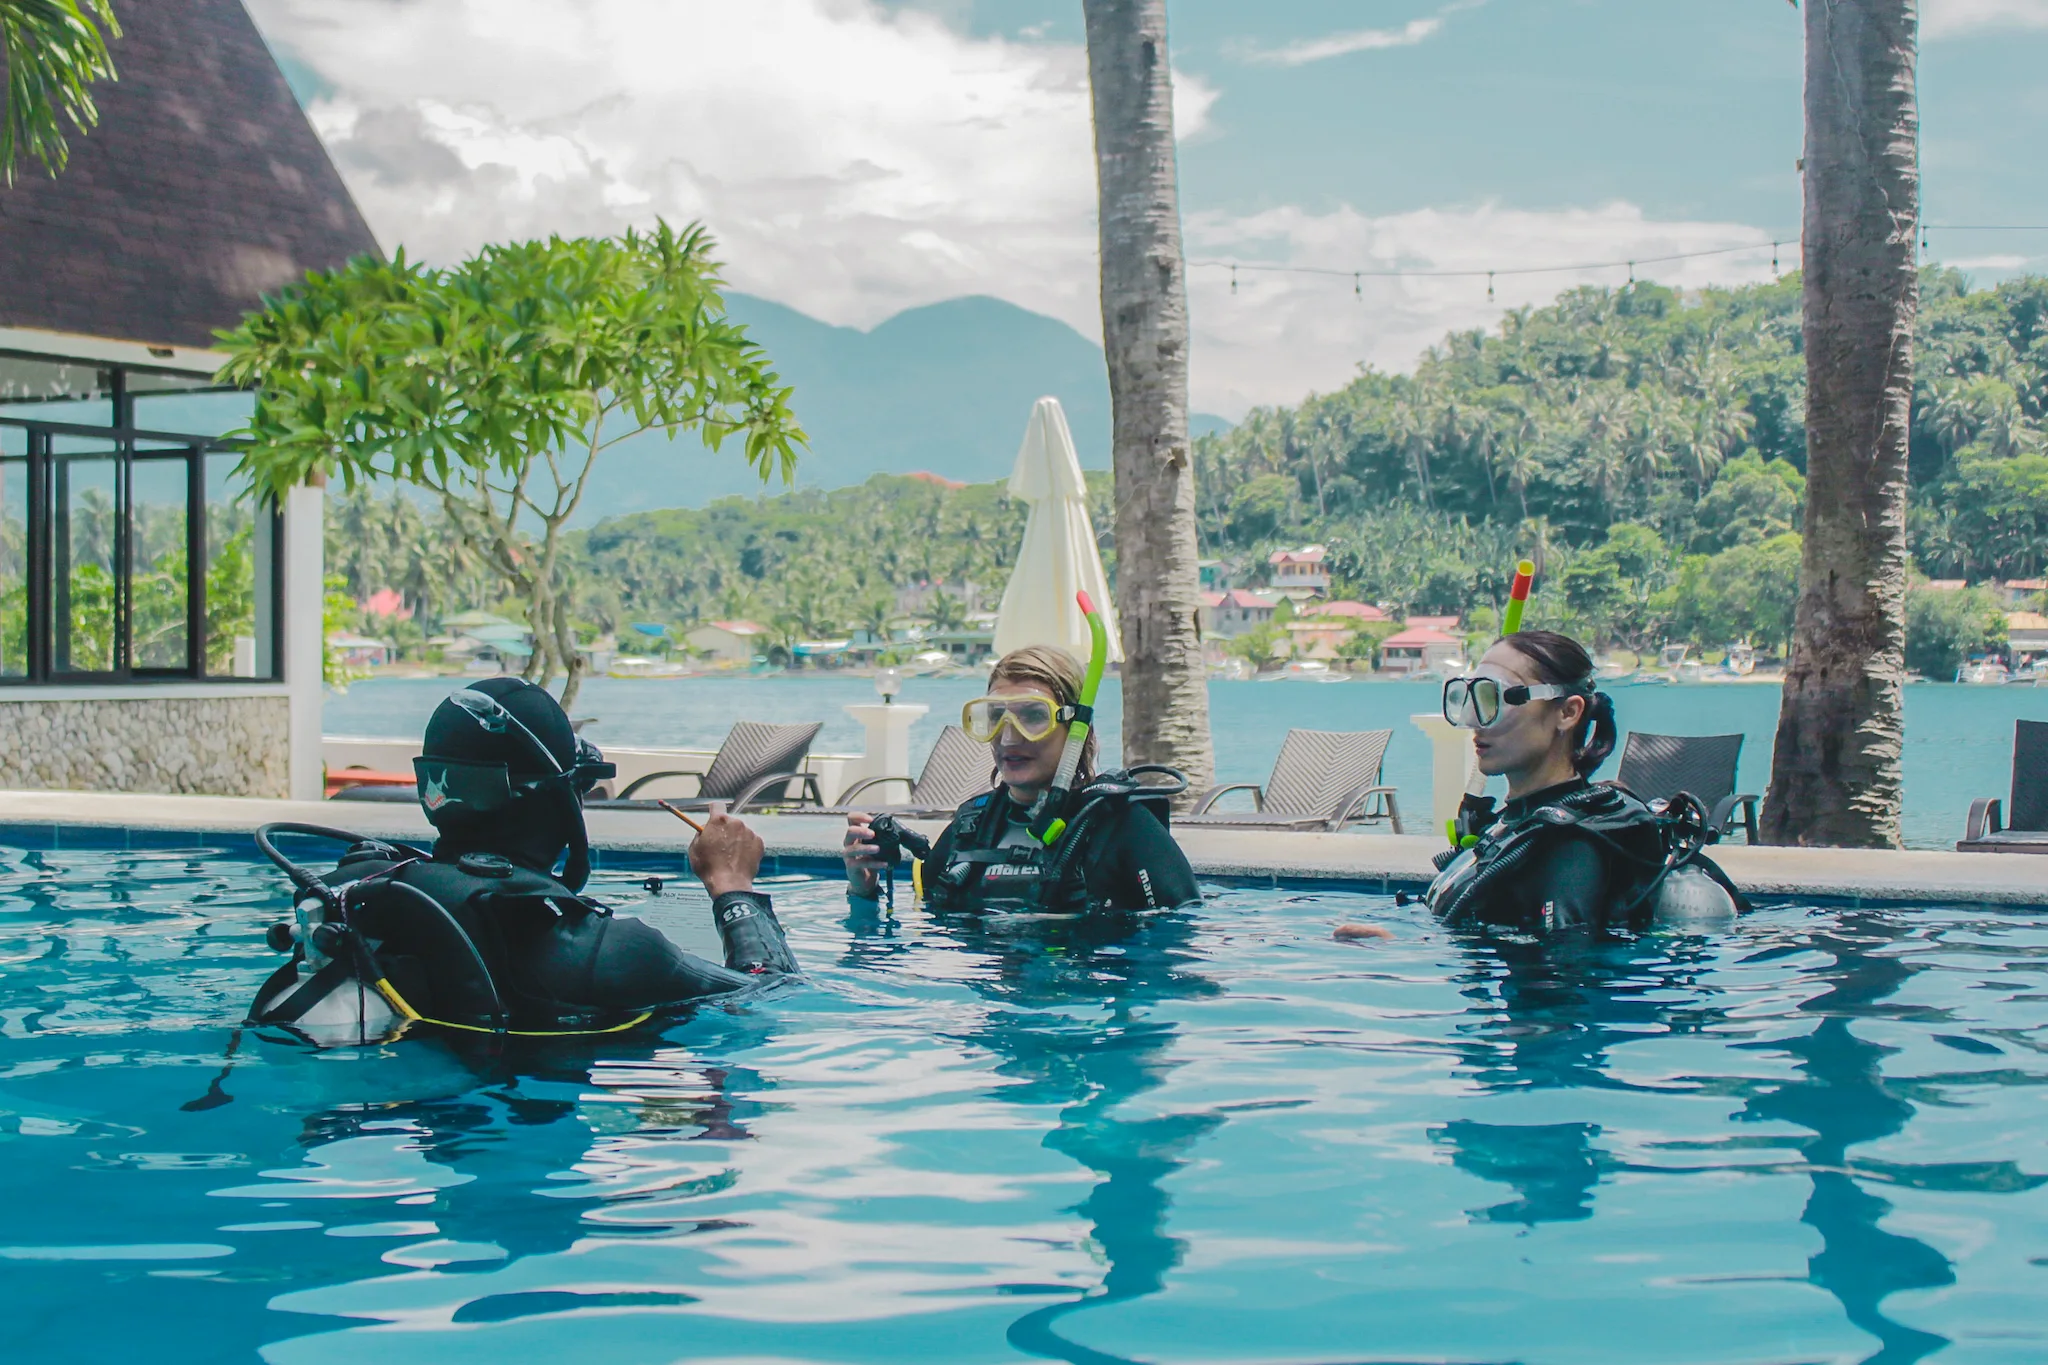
x=484, y=934
x=1564, y=852
x=1114, y=850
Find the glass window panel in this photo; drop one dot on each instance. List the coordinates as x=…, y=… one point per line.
x=159, y=561
x=13, y=568
x=82, y=591
x=241, y=567
x=22, y=378
x=191, y=414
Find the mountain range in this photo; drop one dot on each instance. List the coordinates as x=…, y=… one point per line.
x=946, y=388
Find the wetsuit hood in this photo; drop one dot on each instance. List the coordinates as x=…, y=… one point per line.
x=543, y=816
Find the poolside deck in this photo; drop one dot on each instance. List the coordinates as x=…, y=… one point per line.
x=796, y=843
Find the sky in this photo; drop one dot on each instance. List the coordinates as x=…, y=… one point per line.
x=858, y=157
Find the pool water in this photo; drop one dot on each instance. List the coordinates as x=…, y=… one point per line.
x=1213, y=1137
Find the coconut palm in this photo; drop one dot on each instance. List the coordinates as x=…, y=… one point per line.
x=1835, y=775
x=1145, y=341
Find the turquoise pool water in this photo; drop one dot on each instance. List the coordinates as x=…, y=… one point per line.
x=1958, y=739
x=1221, y=1138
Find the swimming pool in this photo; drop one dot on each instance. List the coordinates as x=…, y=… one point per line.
x=1222, y=1138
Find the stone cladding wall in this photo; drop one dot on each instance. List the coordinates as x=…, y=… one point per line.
x=188, y=746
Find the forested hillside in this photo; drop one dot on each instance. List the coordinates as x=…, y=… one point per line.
x=1645, y=446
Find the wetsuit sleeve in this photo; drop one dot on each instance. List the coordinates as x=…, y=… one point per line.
x=1144, y=868
x=753, y=939
x=1568, y=888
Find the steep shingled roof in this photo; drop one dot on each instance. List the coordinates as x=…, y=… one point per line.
x=202, y=188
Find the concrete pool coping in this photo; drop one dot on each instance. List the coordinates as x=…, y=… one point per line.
x=810, y=843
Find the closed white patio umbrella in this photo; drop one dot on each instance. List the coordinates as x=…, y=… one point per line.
x=1058, y=557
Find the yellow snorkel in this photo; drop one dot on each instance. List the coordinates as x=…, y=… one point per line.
x=1047, y=824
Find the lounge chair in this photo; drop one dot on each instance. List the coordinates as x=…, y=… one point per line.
x=1661, y=766
x=2028, y=832
x=758, y=764
x=1323, y=780
x=958, y=768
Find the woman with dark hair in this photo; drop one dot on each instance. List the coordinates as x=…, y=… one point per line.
x=1115, y=851
x=1563, y=852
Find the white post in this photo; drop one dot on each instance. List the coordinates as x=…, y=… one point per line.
x=888, y=750
x=305, y=595
x=1451, y=760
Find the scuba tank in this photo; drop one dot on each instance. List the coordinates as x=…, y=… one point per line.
x=1654, y=855
x=393, y=938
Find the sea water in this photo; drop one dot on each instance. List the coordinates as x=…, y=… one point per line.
x=1958, y=739
x=1211, y=1136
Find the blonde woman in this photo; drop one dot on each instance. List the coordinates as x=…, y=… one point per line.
x=1116, y=852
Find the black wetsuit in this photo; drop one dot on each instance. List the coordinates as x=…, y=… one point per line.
x=1122, y=857
x=545, y=957
x=1578, y=855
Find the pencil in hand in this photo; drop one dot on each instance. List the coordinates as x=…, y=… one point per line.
x=680, y=816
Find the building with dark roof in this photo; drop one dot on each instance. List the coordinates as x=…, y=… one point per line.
x=170, y=639
x=202, y=189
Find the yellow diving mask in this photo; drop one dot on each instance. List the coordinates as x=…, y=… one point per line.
x=1031, y=718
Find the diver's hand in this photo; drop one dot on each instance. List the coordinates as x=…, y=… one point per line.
x=727, y=855
x=863, y=863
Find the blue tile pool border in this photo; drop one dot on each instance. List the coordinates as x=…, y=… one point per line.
x=53, y=837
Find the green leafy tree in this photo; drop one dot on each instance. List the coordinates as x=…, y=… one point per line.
x=55, y=50
x=1751, y=501
x=1616, y=588
x=1744, y=593
x=1944, y=627
x=499, y=384
x=337, y=613
x=1263, y=646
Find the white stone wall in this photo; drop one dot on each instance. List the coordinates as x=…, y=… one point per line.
x=211, y=746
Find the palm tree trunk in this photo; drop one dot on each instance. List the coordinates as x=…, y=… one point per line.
x=1145, y=340
x=1835, y=775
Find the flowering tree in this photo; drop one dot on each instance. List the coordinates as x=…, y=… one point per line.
x=498, y=384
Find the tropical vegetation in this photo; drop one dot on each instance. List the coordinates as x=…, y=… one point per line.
x=1425, y=487
x=54, y=50
x=498, y=385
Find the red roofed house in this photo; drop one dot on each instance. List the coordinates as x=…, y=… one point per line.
x=1351, y=611
x=1235, y=612
x=1420, y=649
x=1300, y=574
x=1431, y=623
x=729, y=642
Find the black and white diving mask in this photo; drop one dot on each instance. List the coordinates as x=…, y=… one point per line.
x=1474, y=703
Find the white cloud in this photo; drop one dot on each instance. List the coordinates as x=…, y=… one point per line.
x=855, y=161
x=852, y=161
x=1344, y=44
x=1280, y=336
x=1949, y=18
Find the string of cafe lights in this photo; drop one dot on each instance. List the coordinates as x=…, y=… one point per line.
x=1777, y=248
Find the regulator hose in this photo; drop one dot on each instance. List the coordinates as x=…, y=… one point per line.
x=300, y=877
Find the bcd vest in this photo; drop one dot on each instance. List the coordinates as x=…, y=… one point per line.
x=1659, y=876
x=474, y=942
x=993, y=863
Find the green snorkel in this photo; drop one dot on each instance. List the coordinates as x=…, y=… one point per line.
x=1046, y=822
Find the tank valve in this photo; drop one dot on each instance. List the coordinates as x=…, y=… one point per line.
x=279, y=937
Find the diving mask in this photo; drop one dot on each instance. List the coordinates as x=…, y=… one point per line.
x=1474, y=703
x=1030, y=718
